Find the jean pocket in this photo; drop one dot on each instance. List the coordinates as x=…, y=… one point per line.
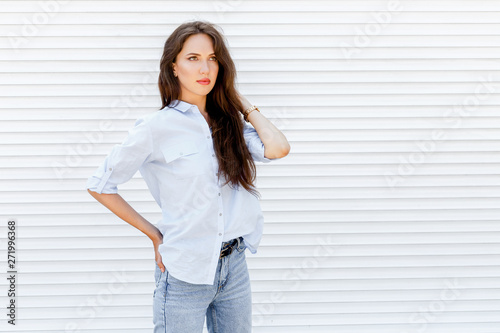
x=160, y=282
x=157, y=278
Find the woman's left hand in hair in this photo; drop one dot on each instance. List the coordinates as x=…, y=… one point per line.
x=275, y=143
x=245, y=102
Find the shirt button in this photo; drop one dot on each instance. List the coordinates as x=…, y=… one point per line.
x=208, y=136
x=110, y=169
x=220, y=214
x=219, y=194
x=220, y=234
x=213, y=155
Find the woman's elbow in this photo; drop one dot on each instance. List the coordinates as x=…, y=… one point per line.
x=278, y=153
x=283, y=151
x=286, y=149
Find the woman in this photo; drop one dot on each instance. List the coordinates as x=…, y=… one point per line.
x=196, y=154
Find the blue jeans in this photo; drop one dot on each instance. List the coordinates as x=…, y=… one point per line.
x=179, y=306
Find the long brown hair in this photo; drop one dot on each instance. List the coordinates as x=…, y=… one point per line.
x=222, y=105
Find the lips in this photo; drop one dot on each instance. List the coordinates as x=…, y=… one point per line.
x=204, y=81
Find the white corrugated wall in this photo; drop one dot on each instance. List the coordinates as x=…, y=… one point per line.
x=384, y=217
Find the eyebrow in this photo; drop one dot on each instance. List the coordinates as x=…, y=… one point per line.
x=199, y=54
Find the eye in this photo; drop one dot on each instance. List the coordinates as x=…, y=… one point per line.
x=215, y=58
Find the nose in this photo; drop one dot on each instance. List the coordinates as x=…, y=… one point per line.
x=204, y=67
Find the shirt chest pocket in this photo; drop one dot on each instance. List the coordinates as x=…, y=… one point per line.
x=183, y=160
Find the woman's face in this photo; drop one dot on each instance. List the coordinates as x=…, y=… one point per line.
x=196, y=61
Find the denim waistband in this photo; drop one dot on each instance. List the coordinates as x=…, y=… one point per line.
x=239, y=240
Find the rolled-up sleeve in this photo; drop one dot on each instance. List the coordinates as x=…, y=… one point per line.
x=124, y=160
x=254, y=143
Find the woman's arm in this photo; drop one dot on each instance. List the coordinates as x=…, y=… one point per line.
x=275, y=143
x=115, y=203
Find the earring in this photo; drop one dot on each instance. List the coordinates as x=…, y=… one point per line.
x=175, y=74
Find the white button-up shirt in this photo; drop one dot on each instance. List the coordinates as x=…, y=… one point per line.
x=174, y=152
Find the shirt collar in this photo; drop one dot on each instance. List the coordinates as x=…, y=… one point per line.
x=182, y=106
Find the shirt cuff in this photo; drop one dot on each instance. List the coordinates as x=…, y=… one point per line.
x=101, y=185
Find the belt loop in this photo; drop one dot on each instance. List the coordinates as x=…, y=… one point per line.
x=238, y=239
